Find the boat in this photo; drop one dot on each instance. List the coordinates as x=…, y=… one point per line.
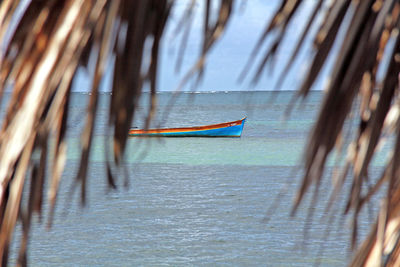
x=226, y=129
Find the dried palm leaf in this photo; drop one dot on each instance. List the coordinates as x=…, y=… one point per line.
x=371, y=30
x=46, y=46
x=52, y=38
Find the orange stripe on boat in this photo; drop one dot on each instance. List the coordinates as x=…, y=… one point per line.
x=186, y=129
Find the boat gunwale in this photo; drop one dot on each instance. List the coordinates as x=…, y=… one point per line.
x=187, y=129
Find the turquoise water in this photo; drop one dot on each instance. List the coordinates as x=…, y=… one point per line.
x=196, y=201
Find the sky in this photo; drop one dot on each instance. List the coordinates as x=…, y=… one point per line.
x=229, y=56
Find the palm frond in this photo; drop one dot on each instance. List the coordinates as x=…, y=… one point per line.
x=39, y=61
x=50, y=41
x=53, y=38
x=360, y=74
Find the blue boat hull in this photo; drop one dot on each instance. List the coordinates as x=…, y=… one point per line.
x=228, y=129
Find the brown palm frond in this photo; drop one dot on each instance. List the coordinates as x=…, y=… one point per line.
x=52, y=38
x=186, y=23
x=41, y=66
x=300, y=43
x=279, y=22
x=46, y=45
x=365, y=71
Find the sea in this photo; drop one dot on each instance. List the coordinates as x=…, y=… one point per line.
x=199, y=201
